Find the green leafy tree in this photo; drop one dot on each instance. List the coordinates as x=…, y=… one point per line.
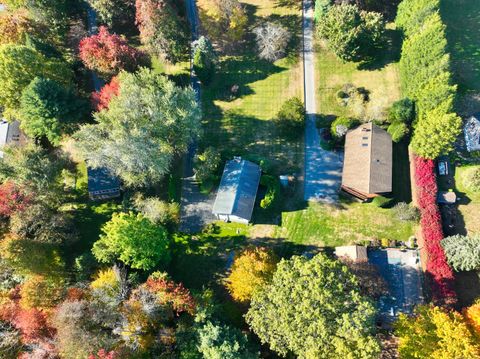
x=412, y=13
x=402, y=111
x=435, y=333
x=219, y=341
x=314, y=309
x=350, y=33
x=436, y=132
x=204, y=59
x=145, y=126
x=133, y=240
x=321, y=9
x=48, y=109
x=207, y=164
x=113, y=12
x=398, y=131
x=291, y=116
x=19, y=65
x=463, y=252
x=341, y=125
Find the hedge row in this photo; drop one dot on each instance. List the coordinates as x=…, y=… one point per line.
x=439, y=272
x=426, y=77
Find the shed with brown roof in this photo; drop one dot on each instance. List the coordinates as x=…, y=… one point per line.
x=367, y=167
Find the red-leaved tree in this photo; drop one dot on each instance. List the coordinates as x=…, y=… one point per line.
x=103, y=354
x=101, y=99
x=169, y=292
x=109, y=53
x=12, y=199
x=440, y=274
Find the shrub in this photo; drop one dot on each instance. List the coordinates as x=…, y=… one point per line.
x=207, y=164
x=341, y=125
x=463, y=252
x=291, y=116
x=158, y=211
x=273, y=191
x=471, y=179
x=402, y=111
x=351, y=34
x=405, y=212
x=398, y=131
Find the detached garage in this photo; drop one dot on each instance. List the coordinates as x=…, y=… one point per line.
x=237, y=192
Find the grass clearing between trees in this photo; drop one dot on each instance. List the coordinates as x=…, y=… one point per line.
x=469, y=205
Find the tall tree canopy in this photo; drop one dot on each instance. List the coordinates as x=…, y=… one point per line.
x=133, y=240
x=350, y=33
x=435, y=333
x=463, y=252
x=314, y=309
x=109, y=53
x=19, y=65
x=204, y=59
x=137, y=137
x=113, y=12
x=162, y=30
x=49, y=109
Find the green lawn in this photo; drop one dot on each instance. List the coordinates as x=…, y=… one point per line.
x=469, y=206
x=241, y=123
x=382, y=83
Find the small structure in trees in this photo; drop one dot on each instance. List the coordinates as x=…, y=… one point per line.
x=237, y=192
x=355, y=253
x=10, y=134
x=367, y=169
x=471, y=131
x=101, y=184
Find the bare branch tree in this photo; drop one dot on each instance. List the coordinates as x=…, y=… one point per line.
x=272, y=40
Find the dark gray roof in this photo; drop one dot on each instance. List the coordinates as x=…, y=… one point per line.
x=100, y=179
x=238, y=189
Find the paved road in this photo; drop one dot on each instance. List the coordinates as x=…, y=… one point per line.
x=323, y=169
x=196, y=207
x=93, y=29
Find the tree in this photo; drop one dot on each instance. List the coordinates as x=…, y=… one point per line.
x=471, y=179
x=19, y=65
x=133, y=240
x=321, y=9
x=101, y=99
x=158, y=211
x=341, y=125
x=291, y=116
x=436, y=132
x=226, y=18
x=145, y=126
x=463, y=252
x=12, y=199
x=251, y=271
x=204, y=59
x=108, y=54
x=162, y=30
x=218, y=341
x=472, y=316
x=41, y=292
x=49, y=109
x=14, y=26
x=313, y=308
x=272, y=41
x=207, y=164
x=112, y=12
x=412, y=13
x=435, y=333
x=10, y=341
x=402, y=111
x=351, y=34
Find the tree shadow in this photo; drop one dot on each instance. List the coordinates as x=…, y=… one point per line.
x=388, y=53
x=467, y=286
x=293, y=4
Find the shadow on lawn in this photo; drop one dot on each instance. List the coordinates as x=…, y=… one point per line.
x=388, y=53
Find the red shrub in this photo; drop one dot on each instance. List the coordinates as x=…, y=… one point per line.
x=74, y=294
x=109, y=53
x=101, y=99
x=12, y=199
x=440, y=273
x=103, y=354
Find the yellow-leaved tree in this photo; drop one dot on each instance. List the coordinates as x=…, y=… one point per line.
x=251, y=270
x=434, y=332
x=472, y=315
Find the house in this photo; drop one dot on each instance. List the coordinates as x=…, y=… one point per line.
x=10, y=134
x=355, y=253
x=101, y=184
x=471, y=131
x=237, y=192
x=367, y=167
